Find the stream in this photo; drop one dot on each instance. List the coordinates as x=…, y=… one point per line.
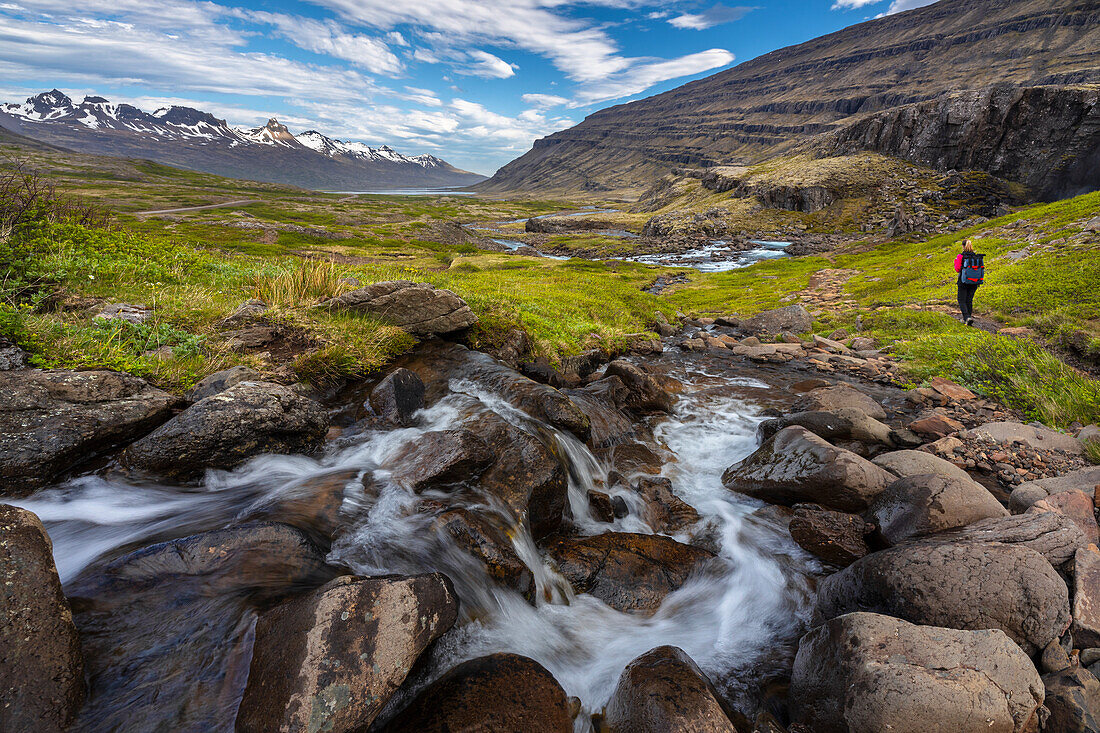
x=740, y=624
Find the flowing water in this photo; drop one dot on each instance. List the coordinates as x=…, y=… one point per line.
x=739, y=624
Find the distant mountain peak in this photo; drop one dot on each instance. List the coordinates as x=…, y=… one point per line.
x=199, y=140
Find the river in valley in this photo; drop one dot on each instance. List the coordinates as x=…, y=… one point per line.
x=739, y=621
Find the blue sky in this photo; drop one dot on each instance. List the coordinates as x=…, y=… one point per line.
x=471, y=81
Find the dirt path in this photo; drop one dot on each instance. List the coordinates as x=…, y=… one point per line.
x=241, y=202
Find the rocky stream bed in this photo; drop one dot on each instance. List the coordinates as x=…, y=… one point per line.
x=729, y=530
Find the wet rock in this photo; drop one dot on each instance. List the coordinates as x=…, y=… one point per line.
x=526, y=476
x=1054, y=536
x=1073, y=699
x=1026, y=494
x=42, y=675
x=51, y=421
x=1074, y=504
x=226, y=429
x=961, y=586
x=866, y=672
x=502, y=693
x=397, y=397
x=842, y=424
x=664, y=511
x=601, y=506
x=202, y=589
x=480, y=537
x=791, y=318
x=664, y=690
x=12, y=357
x=795, y=466
x=835, y=537
x=422, y=310
x=925, y=504
x=315, y=504
x=440, y=363
x=1086, y=599
x=1033, y=436
x=441, y=458
x=829, y=399
x=129, y=312
x=645, y=393
x=220, y=381
x=904, y=463
x=629, y=572
x=602, y=401
x=330, y=660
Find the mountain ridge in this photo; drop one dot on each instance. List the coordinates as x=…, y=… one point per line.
x=784, y=100
x=191, y=138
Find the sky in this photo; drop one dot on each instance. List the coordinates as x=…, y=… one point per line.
x=474, y=82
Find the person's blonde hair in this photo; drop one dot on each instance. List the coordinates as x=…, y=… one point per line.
x=968, y=246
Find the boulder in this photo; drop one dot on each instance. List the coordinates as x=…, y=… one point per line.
x=1086, y=599
x=439, y=364
x=664, y=511
x=52, y=421
x=951, y=390
x=795, y=466
x=866, y=672
x=440, y=458
x=845, y=424
x=1054, y=536
x=228, y=428
x=629, y=572
x=1083, y=479
x=397, y=397
x=1033, y=436
x=645, y=394
x=1073, y=699
x=793, y=318
x=525, y=475
x=835, y=537
x=925, y=504
x=902, y=463
x=480, y=537
x=664, y=690
x=246, y=311
x=220, y=381
x=1076, y=505
x=834, y=347
x=250, y=338
x=957, y=585
x=830, y=399
x=420, y=309
x=503, y=693
x=601, y=402
x=331, y=660
x=935, y=425
x=42, y=675
x=204, y=589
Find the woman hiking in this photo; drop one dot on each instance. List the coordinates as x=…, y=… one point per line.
x=971, y=268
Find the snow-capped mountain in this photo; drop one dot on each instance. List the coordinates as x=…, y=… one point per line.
x=194, y=139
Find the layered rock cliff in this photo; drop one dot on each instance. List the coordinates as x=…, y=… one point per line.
x=866, y=85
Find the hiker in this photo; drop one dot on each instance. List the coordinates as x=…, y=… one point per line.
x=971, y=268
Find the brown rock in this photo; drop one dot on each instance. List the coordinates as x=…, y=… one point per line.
x=645, y=393
x=420, y=309
x=664, y=690
x=835, y=537
x=951, y=390
x=1073, y=699
x=841, y=395
x=1083, y=479
x=1086, y=599
x=501, y=693
x=441, y=458
x=1077, y=506
x=795, y=466
x=925, y=504
x=600, y=505
x=866, y=672
x=331, y=660
x=665, y=512
x=1036, y=437
x=936, y=426
x=479, y=536
x=1054, y=536
x=397, y=397
x=42, y=675
x=629, y=572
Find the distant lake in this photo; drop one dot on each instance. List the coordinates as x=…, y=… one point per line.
x=408, y=192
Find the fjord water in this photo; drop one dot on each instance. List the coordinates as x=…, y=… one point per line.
x=739, y=622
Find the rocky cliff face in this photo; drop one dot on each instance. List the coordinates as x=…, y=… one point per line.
x=829, y=91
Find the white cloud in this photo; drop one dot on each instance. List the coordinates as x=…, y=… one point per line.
x=642, y=76
x=327, y=38
x=900, y=6
x=852, y=4
x=717, y=15
x=486, y=65
x=544, y=101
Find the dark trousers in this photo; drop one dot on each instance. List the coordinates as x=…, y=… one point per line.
x=966, y=299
